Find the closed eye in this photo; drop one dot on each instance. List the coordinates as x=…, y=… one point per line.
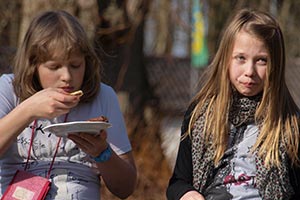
x=75, y=66
x=54, y=67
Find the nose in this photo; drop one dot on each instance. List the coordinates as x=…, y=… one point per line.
x=250, y=69
x=65, y=74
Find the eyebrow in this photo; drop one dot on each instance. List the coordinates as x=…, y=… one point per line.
x=259, y=54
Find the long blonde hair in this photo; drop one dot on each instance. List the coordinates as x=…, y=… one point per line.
x=277, y=111
x=47, y=32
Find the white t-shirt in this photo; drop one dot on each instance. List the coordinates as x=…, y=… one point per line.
x=74, y=175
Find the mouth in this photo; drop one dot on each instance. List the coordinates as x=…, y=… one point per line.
x=248, y=84
x=68, y=89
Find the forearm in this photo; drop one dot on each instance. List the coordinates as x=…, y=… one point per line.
x=119, y=174
x=12, y=125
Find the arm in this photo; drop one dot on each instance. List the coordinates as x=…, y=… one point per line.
x=295, y=174
x=295, y=178
x=113, y=173
x=181, y=183
x=119, y=172
x=112, y=170
x=47, y=103
x=12, y=125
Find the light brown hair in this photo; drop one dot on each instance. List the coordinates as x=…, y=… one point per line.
x=46, y=32
x=277, y=113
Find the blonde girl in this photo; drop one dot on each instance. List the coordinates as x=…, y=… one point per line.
x=240, y=136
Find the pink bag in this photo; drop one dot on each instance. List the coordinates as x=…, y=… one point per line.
x=27, y=186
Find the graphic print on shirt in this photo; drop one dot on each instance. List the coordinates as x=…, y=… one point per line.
x=235, y=173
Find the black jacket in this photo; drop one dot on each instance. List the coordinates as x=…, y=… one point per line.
x=182, y=180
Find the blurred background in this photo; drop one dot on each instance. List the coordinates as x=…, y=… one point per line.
x=153, y=53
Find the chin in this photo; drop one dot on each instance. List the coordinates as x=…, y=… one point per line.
x=247, y=93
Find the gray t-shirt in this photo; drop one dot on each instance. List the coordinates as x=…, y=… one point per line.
x=74, y=175
x=234, y=177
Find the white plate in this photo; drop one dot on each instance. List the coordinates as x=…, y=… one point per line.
x=63, y=129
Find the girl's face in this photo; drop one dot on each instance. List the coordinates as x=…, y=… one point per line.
x=66, y=74
x=248, y=66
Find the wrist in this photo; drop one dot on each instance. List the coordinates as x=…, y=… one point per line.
x=25, y=111
x=105, y=155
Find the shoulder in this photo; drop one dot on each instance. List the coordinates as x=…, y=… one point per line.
x=106, y=89
x=8, y=98
x=6, y=78
x=187, y=117
x=6, y=82
x=107, y=92
x=107, y=97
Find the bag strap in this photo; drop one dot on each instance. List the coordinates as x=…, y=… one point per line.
x=30, y=147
